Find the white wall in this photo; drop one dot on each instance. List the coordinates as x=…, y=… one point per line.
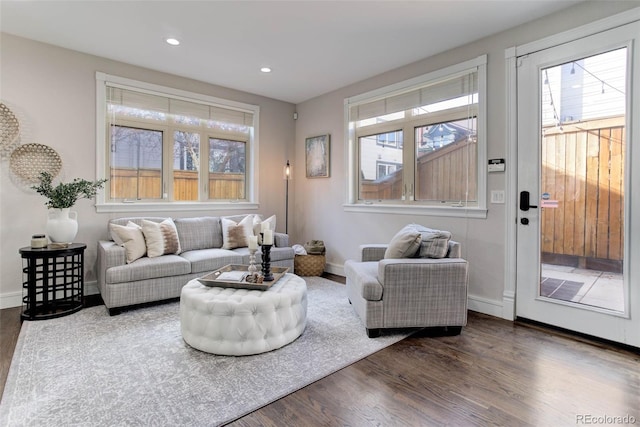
x=52, y=91
x=318, y=202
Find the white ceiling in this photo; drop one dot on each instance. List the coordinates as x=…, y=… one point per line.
x=313, y=47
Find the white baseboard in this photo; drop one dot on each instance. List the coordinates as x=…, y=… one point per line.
x=10, y=299
x=91, y=288
x=485, y=305
x=14, y=299
x=334, y=269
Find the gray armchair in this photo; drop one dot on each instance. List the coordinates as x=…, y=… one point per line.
x=408, y=292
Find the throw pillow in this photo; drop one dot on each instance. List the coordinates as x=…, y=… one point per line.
x=404, y=244
x=236, y=235
x=161, y=237
x=257, y=224
x=131, y=238
x=435, y=243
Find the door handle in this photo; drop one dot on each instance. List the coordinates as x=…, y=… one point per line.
x=524, y=201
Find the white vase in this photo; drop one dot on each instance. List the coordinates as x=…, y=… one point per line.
x=62, y=225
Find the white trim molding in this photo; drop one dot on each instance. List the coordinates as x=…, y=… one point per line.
x=10, y=300
x=511, y=184
x=485, y=305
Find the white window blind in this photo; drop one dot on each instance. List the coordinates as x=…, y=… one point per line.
x=150, y=102
x=422, y=96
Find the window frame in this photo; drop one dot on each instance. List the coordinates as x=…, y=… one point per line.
x=477, y=210
x=103, y=81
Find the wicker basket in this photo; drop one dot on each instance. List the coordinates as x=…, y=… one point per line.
x=308, y=265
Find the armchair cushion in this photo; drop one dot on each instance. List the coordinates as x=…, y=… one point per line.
x=434, y=243
x=404, y=244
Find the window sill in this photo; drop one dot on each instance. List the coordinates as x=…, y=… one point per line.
x=448, y=211
x=174, y=206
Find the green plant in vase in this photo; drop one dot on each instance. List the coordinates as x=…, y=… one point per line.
x=65, y=195
x=62, y=225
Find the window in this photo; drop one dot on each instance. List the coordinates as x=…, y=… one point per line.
x=390, y=139
x=386, y=169
x=166, y=147
x=419, y=143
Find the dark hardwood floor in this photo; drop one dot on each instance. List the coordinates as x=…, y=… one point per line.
x=9, y=331
x=496, y=372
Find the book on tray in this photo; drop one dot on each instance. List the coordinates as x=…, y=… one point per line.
x=232, y=276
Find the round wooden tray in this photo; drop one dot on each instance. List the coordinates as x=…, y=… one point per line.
x=28, y=161
x=9, y=126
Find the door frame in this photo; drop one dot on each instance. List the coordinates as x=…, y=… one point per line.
x=511, y=149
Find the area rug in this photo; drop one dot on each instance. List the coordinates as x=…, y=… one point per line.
x=559, y=289
x=135, y=369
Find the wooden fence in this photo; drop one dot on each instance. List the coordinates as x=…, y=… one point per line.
x=443, y=173
x=147, y=184
x=449, y=173
x=583, y=168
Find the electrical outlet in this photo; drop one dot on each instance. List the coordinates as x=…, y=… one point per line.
x=497, y=196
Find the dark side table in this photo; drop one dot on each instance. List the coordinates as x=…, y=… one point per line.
x=54, y=281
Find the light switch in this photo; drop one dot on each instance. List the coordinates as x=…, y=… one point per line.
x=497, y=196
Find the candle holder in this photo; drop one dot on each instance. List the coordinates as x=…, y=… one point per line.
x=266, y=263
x=252, y=261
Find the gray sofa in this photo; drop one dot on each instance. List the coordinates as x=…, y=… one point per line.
x=161, y=278
x=408, y=292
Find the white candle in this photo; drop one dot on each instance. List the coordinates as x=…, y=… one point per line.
x=253, y=242
x=268, y=237
x=264, y=226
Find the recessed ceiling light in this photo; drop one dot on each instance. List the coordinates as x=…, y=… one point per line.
x=265, y=69
x=173, y=42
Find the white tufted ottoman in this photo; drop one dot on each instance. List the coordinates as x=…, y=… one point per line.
x=238, y=322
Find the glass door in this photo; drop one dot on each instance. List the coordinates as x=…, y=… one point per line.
x=573, y=148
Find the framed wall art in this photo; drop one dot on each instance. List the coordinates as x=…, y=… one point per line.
x=317, y=156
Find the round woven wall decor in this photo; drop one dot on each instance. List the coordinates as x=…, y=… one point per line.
x=9, y=126
x=29, y=160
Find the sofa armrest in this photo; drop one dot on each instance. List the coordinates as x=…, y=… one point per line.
x=372, y=252
x=110, y=255
x=281, y=240
x=455, y=250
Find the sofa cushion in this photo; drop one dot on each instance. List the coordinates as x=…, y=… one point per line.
x=199, y=233
x=404, y=244
x=207, y=260
x=161, y=238
x=434, y=243
x=131, y=238
x=148, y=268
x=236, y=235
x=257, y=223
